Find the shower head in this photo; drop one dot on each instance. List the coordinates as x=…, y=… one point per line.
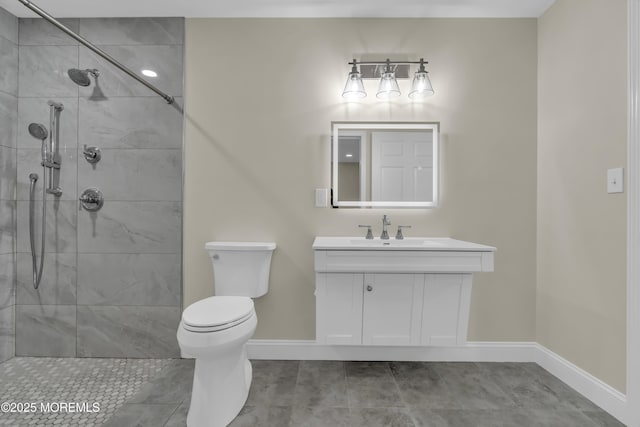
x=81, y=77
x=38, y=131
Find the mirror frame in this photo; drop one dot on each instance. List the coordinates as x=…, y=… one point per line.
x=352, y=126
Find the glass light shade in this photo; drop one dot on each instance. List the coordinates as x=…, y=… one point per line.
x=388, y=86
x=421, y=86
x=354, y=88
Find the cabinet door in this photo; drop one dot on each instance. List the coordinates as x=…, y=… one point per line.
x=445, y=313
x=339, y=308
x=392, y=307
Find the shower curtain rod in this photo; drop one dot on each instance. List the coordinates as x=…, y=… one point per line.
x=94, y=48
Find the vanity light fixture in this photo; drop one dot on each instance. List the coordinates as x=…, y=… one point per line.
x=354, y=89
x=388, y=88
x=421, y=85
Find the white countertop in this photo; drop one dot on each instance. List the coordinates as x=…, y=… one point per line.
x=407, y=244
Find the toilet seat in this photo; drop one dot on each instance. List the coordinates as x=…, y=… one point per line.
x=217, y=313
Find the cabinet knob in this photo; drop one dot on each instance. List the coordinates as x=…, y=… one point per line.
x=369, y=288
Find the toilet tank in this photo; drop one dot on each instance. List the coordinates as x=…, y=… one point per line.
x=241, y=268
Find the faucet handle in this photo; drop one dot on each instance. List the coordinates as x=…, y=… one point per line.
x=369, y=232
x=91, y=154
x=399, y=235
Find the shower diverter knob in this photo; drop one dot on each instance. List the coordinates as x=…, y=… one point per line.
x=92, y=199
x=91, y=154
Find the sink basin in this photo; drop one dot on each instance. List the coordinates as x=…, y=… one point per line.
x=417, y=242
x=407, y=244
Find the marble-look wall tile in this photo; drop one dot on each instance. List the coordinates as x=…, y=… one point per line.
x=7, y=173
x=164, y=60
x=7, y=280
x=7, y=226
x=8, y=119
x=36, y=110
x=37, y=31
x=29, y=161
x=140, y=175
x=58, y=283
x=46, y=330
x=43, y=71
x=129, y=279
x=8, y=26
x=9, y=61
x=108, y=331
x=128, y=31
x=128, y=283
x=61, y=225
x=131, y=227
x=130, y=123
x=7, y=333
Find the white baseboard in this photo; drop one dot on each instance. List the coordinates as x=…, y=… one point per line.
x=603, y=395
x=309, y=350
x=600, y=393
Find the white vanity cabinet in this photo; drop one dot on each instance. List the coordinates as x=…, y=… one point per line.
x=391, y=309
x=339, y=308
x=371, y=309
x=413, y=293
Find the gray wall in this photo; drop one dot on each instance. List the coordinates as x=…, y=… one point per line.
x=112, y=280
x=8, y=114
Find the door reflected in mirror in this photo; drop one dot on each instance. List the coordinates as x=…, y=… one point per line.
x=385, y=164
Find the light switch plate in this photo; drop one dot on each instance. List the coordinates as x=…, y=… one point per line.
x=322, y=197
x=615, y=180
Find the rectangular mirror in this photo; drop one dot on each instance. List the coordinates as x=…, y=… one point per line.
x=376, y=164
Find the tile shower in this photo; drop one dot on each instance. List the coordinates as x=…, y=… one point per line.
x=112, y=279
x=8, y=124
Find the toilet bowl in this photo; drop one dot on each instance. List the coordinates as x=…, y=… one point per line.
x=215, y=331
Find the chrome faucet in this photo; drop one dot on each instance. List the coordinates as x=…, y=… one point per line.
x=385, y=222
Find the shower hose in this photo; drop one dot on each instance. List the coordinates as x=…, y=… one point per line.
x=37, y=271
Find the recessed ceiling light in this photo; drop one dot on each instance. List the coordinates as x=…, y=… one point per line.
x=149, y=73
x=348, y=155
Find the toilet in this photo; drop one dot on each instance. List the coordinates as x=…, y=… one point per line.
x=215, y=331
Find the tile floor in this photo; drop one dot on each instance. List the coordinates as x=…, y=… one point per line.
x=332, y=394
x=34, y=390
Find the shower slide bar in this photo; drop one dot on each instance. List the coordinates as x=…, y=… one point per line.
x=52, y=160
x=94, y=48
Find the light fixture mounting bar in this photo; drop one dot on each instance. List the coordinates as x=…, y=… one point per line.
x=374, y=69
x=385, y=62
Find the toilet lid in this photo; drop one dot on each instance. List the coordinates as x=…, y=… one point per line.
x=240, y=246
x=218, y=311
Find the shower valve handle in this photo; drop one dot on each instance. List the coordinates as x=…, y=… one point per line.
x=91, y=154
x=92, y=199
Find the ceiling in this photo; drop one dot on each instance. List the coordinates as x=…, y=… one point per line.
x=285, y=8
